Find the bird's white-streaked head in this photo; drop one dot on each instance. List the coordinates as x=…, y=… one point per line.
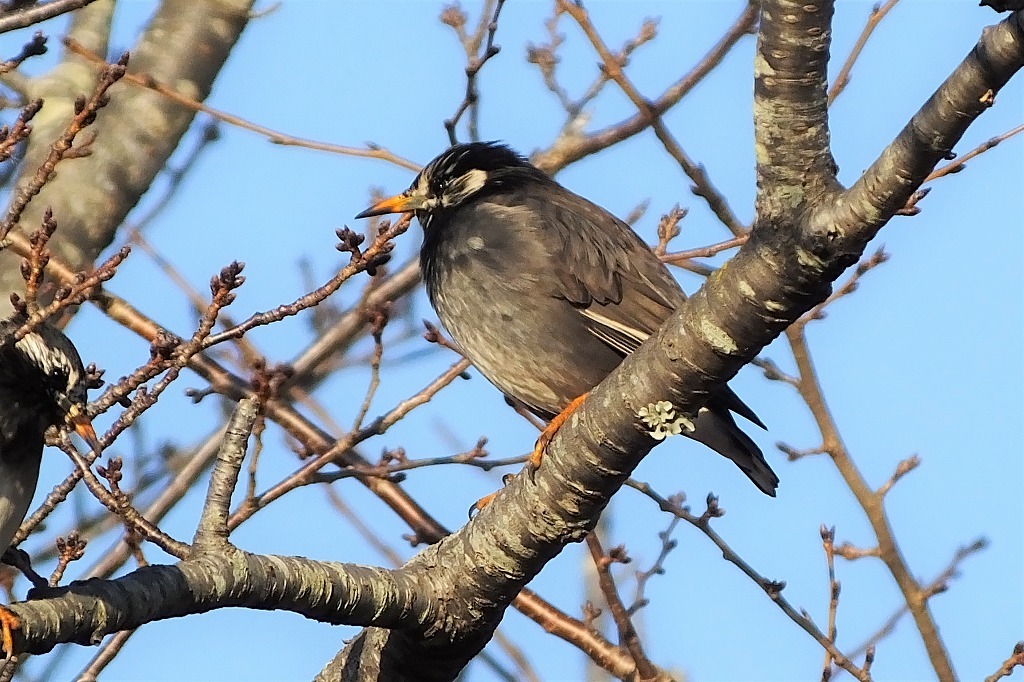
x=44, y=370
x=57, y=362
x=457, y=175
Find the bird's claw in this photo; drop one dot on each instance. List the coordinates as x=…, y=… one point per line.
x=8, y=624
x=477, y=506
x=536, y=457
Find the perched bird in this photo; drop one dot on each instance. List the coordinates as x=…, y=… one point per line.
x=42, y=384
x=545, y=291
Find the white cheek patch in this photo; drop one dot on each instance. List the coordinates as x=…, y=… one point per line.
x=464, y=187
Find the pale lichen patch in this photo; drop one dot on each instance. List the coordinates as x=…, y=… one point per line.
x=808, y=259
x=662, y=420
x=762, y=67
x=717, y=337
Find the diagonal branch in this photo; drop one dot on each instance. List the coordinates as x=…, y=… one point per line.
x=776, y=277
x=931, y=134
x=34, y=14
x=567, y=151
x=185, y=43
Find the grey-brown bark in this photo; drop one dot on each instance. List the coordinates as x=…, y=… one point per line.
x=138, y=130
x=443, y=605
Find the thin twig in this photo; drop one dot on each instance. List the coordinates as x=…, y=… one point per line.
x=828, y=537
x=371, y=151
x=936, y=585
x=772, y=588
x=1006, y=669
x=375, y=255
x=35, y=47
x=696, y=172
x=71, y=548
x=572, y=145
x=470, y=101
x=378, y=320
x=870, y=500
x=85, y=114
x=703, y=251
x=306, y=474
x=878, y=13
x=628, y=636
x=121, y=507
x=958, y=164
x=658, y=567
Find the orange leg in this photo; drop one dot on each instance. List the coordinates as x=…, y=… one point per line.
x=549, y=432
x=8, y=622
x=533, y=463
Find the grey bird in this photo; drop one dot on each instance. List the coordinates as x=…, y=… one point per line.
x=42, y=384
x=545, y=291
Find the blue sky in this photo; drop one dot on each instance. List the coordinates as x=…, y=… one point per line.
x=927, y=357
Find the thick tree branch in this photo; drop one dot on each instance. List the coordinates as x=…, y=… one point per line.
x=791, y=137
x=85, y=611
x=774, y=279
x=216, y=575
x=931, y=134
x=95, y=192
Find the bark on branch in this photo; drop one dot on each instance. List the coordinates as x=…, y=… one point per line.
x=434, y=614
x=94, y=193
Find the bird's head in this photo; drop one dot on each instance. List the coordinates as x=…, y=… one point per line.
x=459, y=175
x=44, y=369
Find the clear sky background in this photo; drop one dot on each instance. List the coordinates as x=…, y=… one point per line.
x=927, y=357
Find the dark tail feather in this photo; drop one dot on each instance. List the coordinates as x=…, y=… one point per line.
x=729, y=400
x=716, y=429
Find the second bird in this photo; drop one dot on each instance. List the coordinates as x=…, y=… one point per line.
x=545, y=291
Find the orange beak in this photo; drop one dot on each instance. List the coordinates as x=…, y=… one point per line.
x=406, y=202
x=78, y=420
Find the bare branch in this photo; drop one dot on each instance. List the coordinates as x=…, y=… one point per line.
x=878, y=13
x=628, y=636
x=569, y=149
x=1006, y=669
x=85, y=115
x=959, y=163
x=613, y=68
x=142, y=80
x=26, y=16
x=828, y=536
x=213, y=524
x=470, y=100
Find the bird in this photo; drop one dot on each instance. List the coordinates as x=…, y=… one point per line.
x=546, y=292
x=42, y=384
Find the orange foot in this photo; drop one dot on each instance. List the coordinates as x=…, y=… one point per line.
x=548, y=433
x=8, y=622
x=487, y=499
x=533, y=463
